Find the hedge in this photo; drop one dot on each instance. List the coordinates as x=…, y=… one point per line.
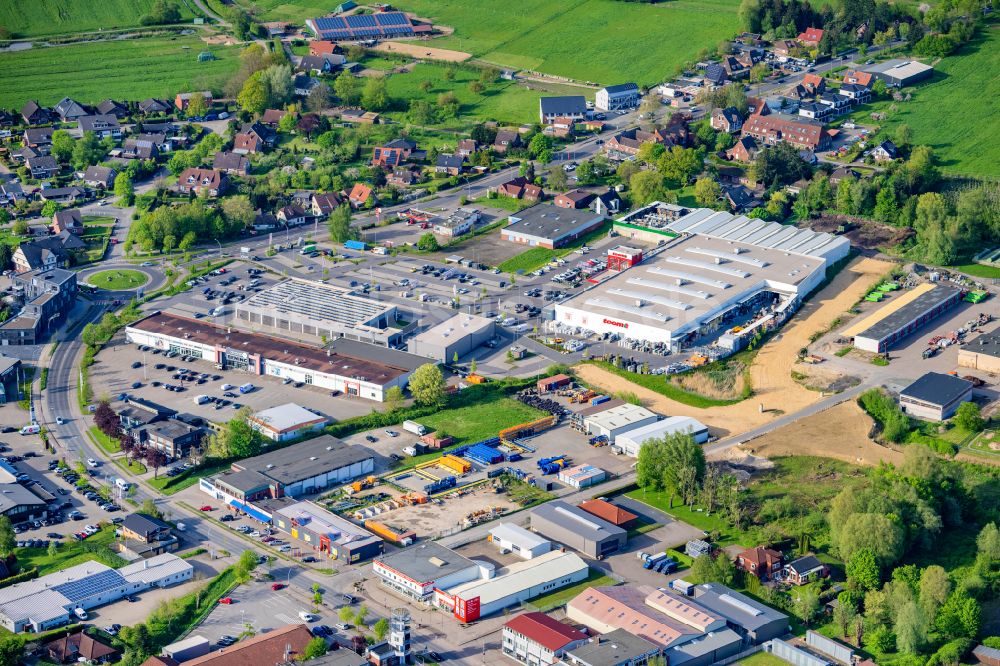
x=19, y=578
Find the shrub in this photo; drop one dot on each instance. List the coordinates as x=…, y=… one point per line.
x=895, y=425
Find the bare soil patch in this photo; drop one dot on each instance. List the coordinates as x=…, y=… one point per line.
x=725, y=383
x=863, y=233
x=420, y=50
x=816, y=378
x=771, y=370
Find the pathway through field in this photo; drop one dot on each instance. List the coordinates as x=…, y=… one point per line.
x=771, y=372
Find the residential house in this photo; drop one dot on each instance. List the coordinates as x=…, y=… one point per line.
x=775, y=128
x=716, y=74
x=143, y=527
x=394, y=154
x=815, y=110
x=47, y=295
x=39, y=138
x=139, y=413
x=857, y=77
x=505, y=140
x=569, y=106
x=232, y=163
x=62, y=195
x=857, y=93
x=100, y=176
x=272, y=117
x=805, y=570
x=756, y=105
x=466, y=147
x=182, y=100
x=321, y=46
x=40, y=254
x=574, y=199
x=737, y=66
x=110, y=107
x=43, y=167
x=264, y=221
x=520, y=188
x=626, y=144
x=764, y=563
x=304, y=84
x=103, y=126
x=885, y=151
x=136, y=148
x=68, y=109
x=727, y=120
x=253, y=138
x=360, y=195
x=784, y=47
x=560, y=126
x=153, y=107
x=316, y=64
x=811, y=85
x=739, y=197
x=323, y=204
x=810, y=37
x=198, y=181
x=613, y=98
x=22, y=155
x=839, y=103
x=79, y=647
x=68, y=220
x=292, y=216
x=34, y=114
x=403, y=177
x=841, y=173
x=11, y=193
x=607, y=204
x=449, y=164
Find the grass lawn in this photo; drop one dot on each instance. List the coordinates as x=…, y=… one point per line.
x=96, y=236
x=504, y=101
x=762, y=659
x=108, y=445
x=118, y=279
x=71, y=552
x=547, y=602
x=979, y=270
x=537, y=257
x=660, y=384
x=127, y=69
x=947, y=112
x=478, y=422
x=168, y=485
x=53, y=17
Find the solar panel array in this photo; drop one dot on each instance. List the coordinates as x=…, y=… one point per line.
x=363, y=26
x=89, y=586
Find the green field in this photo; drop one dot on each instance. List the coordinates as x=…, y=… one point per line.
x=482, y=421
x=955, y=111
x=537, y=257
x=594, y=40
x=506, y=102
x=127, y=69
x=55, y=17
x=71, y=552
x=118, y=279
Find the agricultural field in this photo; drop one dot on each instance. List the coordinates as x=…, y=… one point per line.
x=126, y=69
x=952, y=112
x=505, y=101
x=591, y=40
x=44, y=18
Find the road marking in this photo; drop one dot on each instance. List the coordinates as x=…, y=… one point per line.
x=284, y=618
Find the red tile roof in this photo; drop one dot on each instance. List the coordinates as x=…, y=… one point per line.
x=811, y=35
x=550, y=634
x=608, y=511
x=263, y=650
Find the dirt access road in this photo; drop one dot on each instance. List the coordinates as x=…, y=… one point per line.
x=771, y=371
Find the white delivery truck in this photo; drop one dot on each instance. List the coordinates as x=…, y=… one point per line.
x=123, y=484
x=415, y=428
x=201, y=399
x=32, y=429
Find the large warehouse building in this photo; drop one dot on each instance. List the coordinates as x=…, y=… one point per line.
x=318, y=310
x=720, y=271
x=899, y=73
x=355, y=368
x=327, y=532
x=632, y=440
x=459, y=335
x=356, y=27
x=981, y=353
x=902, y=316
x=617, y=420
x=43, y=603
x=548, y=226
x=415, y=572
x=577, y=529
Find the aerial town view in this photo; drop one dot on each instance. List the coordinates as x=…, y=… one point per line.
x=617, y=333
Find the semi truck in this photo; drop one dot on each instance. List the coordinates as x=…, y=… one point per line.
x=415, y=428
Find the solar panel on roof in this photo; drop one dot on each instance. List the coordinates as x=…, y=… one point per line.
x=330, y=23
x=391, y=18
x=360, y=20
x=77, y=590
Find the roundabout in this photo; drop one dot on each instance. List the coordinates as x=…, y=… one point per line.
x=118, y=279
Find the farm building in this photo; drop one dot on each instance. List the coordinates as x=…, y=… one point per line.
x=902, y=316
x=900, y=73
x=935, y=396
x=632, y=440
x=613, y=98
x=525, y=543
x=459, y=335
x=617, y=420
x=721, y=271
x=286, y=421
x=544, y=225
x=326, y=532
x=981, y=353
x=381, y=25
x=577, y=529
x=539, y=640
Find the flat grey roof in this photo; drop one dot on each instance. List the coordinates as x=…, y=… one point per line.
x=704, y=645
x=735, y=607
x=550, y=222
x=376, y=354
x=454, y=329
x=318, y=302
x=577, y=520
x=988, y=344
x=426, y=562
x=937, y=388
x=305, y=459
x=615, y=647
x=909, y=312
x=13, y=495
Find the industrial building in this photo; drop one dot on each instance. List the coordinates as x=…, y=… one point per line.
x=902, y=316
x=900, y=73
x=286, y=422
x=632, y=440
x=577, y=529
x=327, y=532
x=604, y=510
x=535, y=639
x=417, y=571
x=20, y=503
x=301, y=469
x=548, y=226
x=619, y=419
x=752, y=620
x=355, y=368
x=459, y=335
x=582, y=476
x=321, y=311
x=617, y=648
x=721, y=271
x=523, y=543
x=935, y=396
x=497, y=589
x=981, y=353
x=43, y=603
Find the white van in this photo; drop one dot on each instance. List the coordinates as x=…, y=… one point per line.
x=122, y=483
x=216, y=312
x=201, y=399
x=80, y=613
x=32, y=429
x=181, y=527
x=226, y=387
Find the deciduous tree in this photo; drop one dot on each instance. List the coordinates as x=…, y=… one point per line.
x=427, y=385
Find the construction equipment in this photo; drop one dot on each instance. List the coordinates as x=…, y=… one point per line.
x=363, y=484
x=553, y=464
x=697, y=360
